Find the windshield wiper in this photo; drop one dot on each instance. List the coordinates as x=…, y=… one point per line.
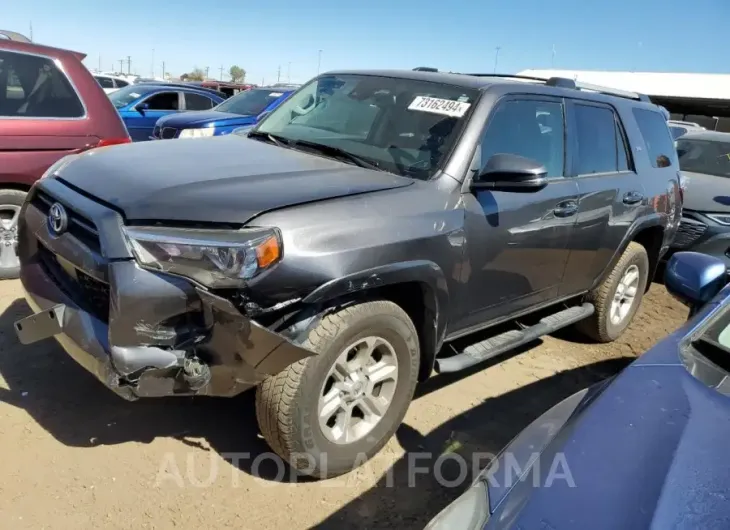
x=275, y=139
x=336, y=152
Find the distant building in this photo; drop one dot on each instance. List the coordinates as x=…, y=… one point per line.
x=700, y=98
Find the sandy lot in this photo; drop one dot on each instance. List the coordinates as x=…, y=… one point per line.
x=73, y=455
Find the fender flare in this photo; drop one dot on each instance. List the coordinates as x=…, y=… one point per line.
x=433, y=284
x=652, y=221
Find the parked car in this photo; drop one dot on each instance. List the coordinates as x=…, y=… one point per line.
x=50, y=106
x=678, y=128
x=241, y=110
x=357, y=238
x=110, y=83
x=704, y=158
x=142, y=104
x=644, y=449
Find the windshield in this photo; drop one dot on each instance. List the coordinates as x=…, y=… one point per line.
x=403, y=126
x=250, y=102
x=704, y=156
x=124, y=96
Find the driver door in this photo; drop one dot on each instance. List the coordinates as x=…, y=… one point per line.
x=518, y=242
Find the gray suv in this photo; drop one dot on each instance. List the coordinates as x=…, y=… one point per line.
x=376, y=227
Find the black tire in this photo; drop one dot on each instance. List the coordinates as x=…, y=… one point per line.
x=286, y=403
x=599, y=326
x=10, y=198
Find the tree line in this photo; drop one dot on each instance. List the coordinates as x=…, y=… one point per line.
x=237, y=74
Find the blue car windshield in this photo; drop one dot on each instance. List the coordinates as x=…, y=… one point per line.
x=251, y=102
x=124, y=96
x=400, y=125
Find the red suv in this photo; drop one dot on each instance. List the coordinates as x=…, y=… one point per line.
x=50, y=106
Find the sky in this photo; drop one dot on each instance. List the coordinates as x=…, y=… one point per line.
x=281, y=39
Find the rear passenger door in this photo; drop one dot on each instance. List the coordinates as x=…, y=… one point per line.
x=611, y=194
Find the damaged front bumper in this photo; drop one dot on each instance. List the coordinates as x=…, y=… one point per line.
x=140, y=332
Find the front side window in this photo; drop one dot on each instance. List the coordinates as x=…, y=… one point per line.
x=530, y=128
x=34, y=87
x=655, y=131
x=704, y=156
x=404, y=126
x=124, y=96
x=251, y=102
x=163, y=101
x=600, y=148
x=197, y=102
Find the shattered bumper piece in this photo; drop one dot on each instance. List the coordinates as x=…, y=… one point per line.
x=163, y=336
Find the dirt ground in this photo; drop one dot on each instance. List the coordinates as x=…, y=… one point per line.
x=73, y=455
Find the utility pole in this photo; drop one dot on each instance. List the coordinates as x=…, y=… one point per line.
x=552, y=60
x=163, y=70
x=129, y=65
x=31, y=31
x=99, y=63
x=496, y=57
x=220, y=78
x=319, y=61
x=121, y=66
x=153, y=63
x=288, y=73
x=278, y=74
x=207, y=69
x=263, y=81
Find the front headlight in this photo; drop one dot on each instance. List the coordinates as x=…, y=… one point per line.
x=215, y=258
x=468, y=512
x=197, y=133
x=720, y=218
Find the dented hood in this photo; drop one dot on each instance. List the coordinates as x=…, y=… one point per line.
x=228, y=179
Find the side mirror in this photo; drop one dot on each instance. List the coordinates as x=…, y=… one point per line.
x=694, y=278
x=508, y=172
x=142, y=107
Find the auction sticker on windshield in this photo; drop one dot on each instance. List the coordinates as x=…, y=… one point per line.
x=445, y=107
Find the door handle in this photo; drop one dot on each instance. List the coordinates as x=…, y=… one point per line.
x=566, y=209
x=633, y=197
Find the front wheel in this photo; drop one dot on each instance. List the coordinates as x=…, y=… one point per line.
x=10, y=204
x=329, y=413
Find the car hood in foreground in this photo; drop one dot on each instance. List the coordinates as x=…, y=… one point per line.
x=204, y=117
x=648, y=452
x=227, y=179
x=706, y=193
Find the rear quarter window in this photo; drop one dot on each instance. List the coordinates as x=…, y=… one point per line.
x=658, y=139
x=34, y=87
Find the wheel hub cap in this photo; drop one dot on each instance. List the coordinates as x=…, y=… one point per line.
x=358, y=390
x=625, y=295
x=9, y=236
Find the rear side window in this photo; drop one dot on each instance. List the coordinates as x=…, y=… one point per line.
x=104, y=82
x=34, y=87
x=197, y=102
x=655, y=131
x=601, y=145
x=120, y=83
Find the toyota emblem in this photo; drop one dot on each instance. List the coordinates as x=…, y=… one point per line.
x=57, y=219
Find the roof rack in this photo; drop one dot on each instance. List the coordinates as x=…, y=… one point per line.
x=559, y=82
x=14, y=35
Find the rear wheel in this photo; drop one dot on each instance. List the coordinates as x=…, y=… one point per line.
x=619, y=296
x=329, y=413
x=10, y=204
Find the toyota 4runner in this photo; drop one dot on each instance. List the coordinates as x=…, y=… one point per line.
x=376, y=227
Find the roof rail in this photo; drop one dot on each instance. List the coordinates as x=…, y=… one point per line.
x=580, y=85
x=425, y=69
x=14, y=35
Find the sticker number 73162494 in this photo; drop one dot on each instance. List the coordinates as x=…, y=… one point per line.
x=445, y=107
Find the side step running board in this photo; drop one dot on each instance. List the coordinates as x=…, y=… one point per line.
x=504, y=342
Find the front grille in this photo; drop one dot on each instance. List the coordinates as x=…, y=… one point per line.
x=690, y=230
x=88, y=293
x=78, y=226
x=168, y=133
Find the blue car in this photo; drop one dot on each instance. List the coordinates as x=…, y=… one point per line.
x=243, y=109
x=141, y=105
x=646, y=449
